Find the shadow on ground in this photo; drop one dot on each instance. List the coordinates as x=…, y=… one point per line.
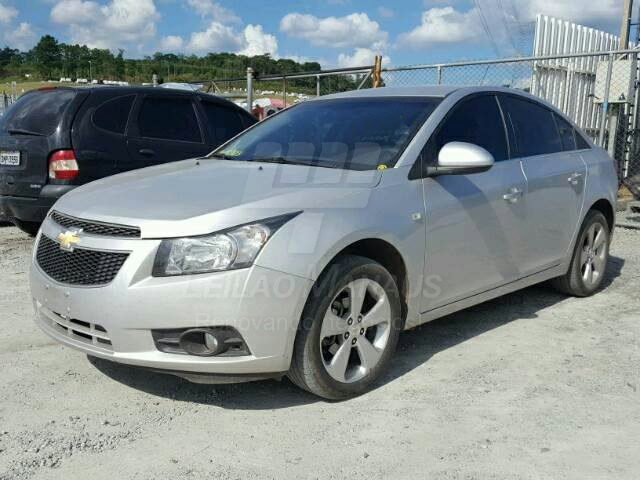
x=414, y=349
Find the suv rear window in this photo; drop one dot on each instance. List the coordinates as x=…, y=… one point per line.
x=38, y=112
x=224, y=122
x=113, y=114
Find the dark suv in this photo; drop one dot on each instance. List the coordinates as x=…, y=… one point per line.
x=54, y=139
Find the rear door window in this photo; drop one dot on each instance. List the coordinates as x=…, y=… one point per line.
x=478, y=121
x=169, y=119
x=224, y=123
x=113, y=114
x=581, y=143
x=567, y=137
x=534, y=127
x=38, y=112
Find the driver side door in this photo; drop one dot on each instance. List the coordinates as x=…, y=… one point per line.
x=474, y=222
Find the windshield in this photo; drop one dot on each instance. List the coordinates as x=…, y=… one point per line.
x=353, y=133
x=37, y=112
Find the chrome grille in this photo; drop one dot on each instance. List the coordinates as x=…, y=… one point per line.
x=85, y=332
x=95, y=228
x=80, y=266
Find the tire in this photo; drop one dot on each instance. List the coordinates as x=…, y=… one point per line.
x=317, y=368
x=30, y=228
x=577, y=281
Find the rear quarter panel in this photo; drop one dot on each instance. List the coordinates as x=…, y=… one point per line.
x=602, y=179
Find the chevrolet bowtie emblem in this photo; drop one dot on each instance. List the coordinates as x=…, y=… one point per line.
x=68, y=239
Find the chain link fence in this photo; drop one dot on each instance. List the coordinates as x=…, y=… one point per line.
x=6, y=100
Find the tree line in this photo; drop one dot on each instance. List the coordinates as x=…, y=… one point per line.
x=50, y=59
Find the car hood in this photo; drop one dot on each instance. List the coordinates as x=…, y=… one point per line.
x=194, y=197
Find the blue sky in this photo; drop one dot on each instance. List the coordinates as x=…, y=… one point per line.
x=334, y=32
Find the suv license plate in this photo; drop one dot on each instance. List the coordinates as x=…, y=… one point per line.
x=10, y=159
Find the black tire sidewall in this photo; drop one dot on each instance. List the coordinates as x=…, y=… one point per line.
x=338, y=275
x=576, y=280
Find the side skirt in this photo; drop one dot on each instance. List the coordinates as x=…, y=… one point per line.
x=525, y=282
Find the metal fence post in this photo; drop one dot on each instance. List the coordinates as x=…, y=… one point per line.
x=249, y=89
x=439, y=74
x=605, y=101
x=14, y=91
x=318, y=85
x=284, y=92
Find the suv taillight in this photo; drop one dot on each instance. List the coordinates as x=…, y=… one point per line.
x=63, y=165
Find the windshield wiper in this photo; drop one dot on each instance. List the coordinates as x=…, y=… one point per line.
x=21, y=131
x=292, y=161
x=221, y=155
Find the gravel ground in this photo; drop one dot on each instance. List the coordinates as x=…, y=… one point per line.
x=533, y=385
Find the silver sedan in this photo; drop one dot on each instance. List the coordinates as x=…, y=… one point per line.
x=305, y=245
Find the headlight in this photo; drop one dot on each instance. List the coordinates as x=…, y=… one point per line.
x=227, y=250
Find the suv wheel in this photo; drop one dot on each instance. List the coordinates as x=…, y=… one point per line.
x=590, y=257
x=349, y=329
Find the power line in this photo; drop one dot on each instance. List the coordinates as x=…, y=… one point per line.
x=485, y=27
x=507, y=26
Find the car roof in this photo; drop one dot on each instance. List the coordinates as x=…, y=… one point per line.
x=130, y=89
x=426, y=91
x=438, y=91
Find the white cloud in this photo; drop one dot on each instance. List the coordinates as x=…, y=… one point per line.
x=443, y=25
x=209, y=8
x=171, y=43
x=579, y=11
x=250, y=41
x=447, y=24
x=116, y=24
x=7, y=14
x=22, y=37
x=257, y=42
x=354, y=30
x=361, y=57
x=217, y=37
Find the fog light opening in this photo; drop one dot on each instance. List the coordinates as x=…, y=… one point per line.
x=201, y=342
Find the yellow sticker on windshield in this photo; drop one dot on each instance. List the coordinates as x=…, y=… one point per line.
x=382, y=166
x=232, y=153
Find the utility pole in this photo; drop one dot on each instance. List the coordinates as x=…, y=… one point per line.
x=626, y=24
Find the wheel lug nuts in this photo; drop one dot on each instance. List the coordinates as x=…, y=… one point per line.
x=350, y=321
x=360, y=319
x=346, y=335
x=362, y=331
x=353, y=342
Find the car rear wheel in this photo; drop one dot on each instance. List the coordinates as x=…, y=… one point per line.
x=349, y=329
x=590, y=258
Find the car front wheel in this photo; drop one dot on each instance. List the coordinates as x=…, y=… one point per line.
x=349, y=329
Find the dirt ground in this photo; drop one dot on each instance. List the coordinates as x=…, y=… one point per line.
x=534, y=385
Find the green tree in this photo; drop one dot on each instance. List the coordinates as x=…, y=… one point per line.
x=119, y=65
x=48, y=56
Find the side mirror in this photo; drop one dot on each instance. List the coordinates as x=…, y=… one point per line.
x=461, y=158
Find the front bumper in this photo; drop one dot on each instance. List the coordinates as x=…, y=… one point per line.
x=115, y=321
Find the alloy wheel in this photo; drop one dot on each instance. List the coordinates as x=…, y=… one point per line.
x=593, y=258
x=355, y=330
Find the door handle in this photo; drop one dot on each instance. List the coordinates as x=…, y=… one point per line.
x=147, y=152
x=513, y=195
x=574, y=178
